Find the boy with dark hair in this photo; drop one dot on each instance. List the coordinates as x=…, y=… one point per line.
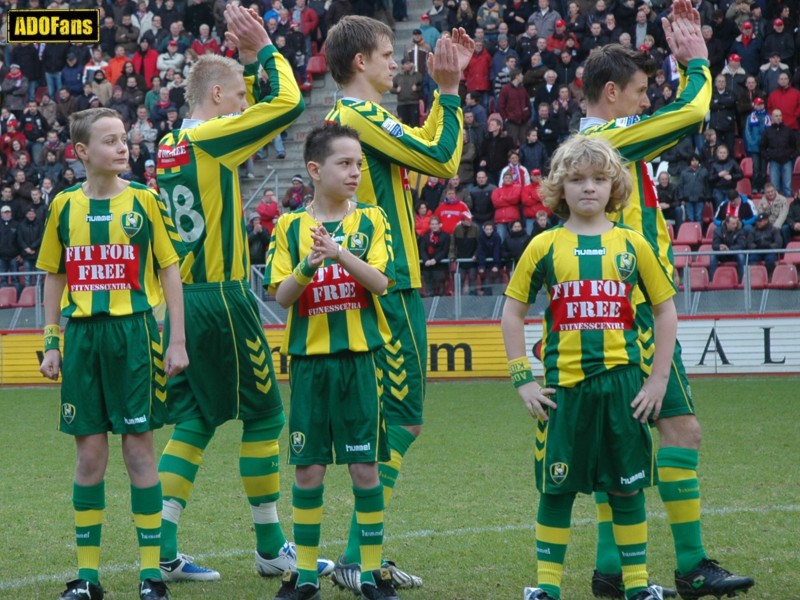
x=359, y=54
x=592, y=434
x=328, y=262
x=106, y=244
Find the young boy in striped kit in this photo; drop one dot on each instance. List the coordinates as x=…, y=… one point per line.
x=328, y=263
x=591, y=431
x=105, y=246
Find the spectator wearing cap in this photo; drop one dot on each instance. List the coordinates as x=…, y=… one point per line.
x=170, y=59
x=29, y=238
x=407, y=85
x=557, y=41
x=15, y=90
x=544, y=18
x=72, y=75
x=13, y=132
x=489, y=16
x=779, y=148
x=26, y=56
x=296, y=195
x=500, y=57
x=172, y=122
x=770, y=71
x=101, y=86
x=532, y=201
x=779, y=40
x=9, y=248
x=257, y=239
x=748, y=47
x=417, y=51
x=757, y=122
x=145, y=62
x=430, y=34
x=149, y=172
x=735, y=75
x=787, y=100
x=765, y=236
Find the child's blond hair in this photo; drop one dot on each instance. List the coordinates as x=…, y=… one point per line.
x=577, y=154
x=208, y=71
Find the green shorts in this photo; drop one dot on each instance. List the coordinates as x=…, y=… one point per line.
x=335, y=405
x=591, y=441
x=678, y=397
x=230, y=374
x=114, y=377
x=402, y=362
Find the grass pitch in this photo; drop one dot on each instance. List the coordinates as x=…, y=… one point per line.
x=461, y=517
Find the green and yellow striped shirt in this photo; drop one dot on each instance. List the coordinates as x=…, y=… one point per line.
x=197, y=173
x=591, y=284
x=640, y=139
x=110, y=250
x=391, y=149
x=335, y=312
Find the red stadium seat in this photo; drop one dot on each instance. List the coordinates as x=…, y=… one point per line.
x=792, y=258
x=681, y=262
x=698, y=279
x=671, y=232
x=709, y=235
x=784, y=277
x=725, y=278
x=703, y=260
x=747, y=167
x=690, y=233
x=8, y=297
x=744, y=187
x=738, y=148
x=27, y=298
x=759, y=278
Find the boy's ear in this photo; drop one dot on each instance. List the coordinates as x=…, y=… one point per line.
x=82, y=151
x=313, y=170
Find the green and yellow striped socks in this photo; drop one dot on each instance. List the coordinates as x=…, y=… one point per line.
x=369, y=523
x=177, y=470
x=607, y=556
x=680, y=492
x=630, y=533
x=89, y=503
x=307, y=512
x=146, y=508
x=552, y=537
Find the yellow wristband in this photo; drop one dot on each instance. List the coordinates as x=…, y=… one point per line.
x=300, y=277
x=52, y=337
x=520, y=371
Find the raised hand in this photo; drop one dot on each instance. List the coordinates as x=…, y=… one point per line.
x=443, y=65
x=683, y=32
x=465, y=47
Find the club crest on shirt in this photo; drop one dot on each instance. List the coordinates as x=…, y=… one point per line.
x=132, y=223
x=393, y=128
x=357, y=244
x=298, y=441
x=68, y=412
x=626, y=264
x=559, y=472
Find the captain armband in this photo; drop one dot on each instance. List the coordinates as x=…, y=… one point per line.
x=520, y=371
x=52, y=337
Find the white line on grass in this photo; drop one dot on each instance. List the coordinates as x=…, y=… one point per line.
x=13, y=584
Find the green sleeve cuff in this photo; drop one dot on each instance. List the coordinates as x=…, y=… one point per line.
x=450, y=100
x=265, y=54
x=697, y=62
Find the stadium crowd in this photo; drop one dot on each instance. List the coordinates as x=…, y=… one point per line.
x=522, y=95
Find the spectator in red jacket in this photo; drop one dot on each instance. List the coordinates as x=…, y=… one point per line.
x=507, y=200
x=452, y=211
x=532, y=202
x=268, y=210
x=786, y=99
x=204, y=43
x=476, y=74
x=144, y=62
x=514, y=106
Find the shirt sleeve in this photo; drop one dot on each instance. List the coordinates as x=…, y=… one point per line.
x=167, y=244
x=644, y=138
x=279, y=260
x=655, y=280
x=51, y=253
x=433, y=149
x=380, y=253
x=232, y=139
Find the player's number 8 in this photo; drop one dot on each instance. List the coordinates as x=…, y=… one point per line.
x=189, y=222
